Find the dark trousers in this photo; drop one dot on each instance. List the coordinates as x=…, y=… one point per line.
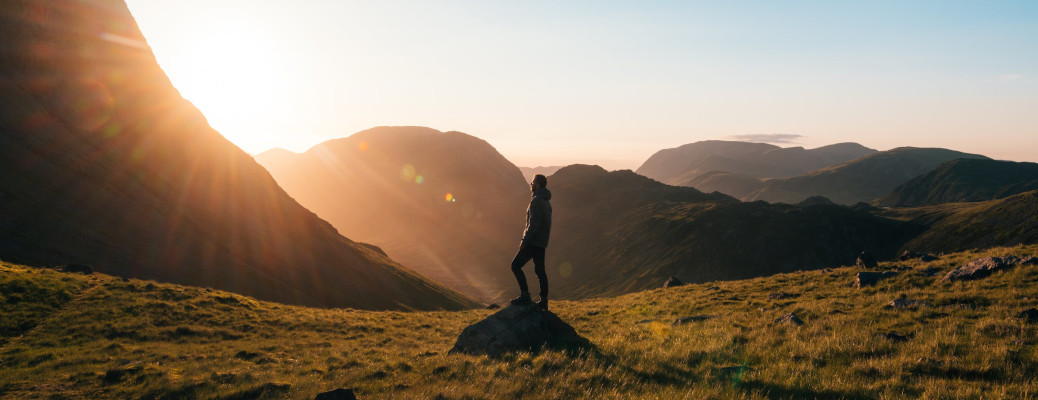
x=524, y=256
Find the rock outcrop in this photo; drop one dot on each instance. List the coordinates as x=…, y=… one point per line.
x=866, y=261
x=337, y=394
x=983, y=267
x=518, y=328
x=672, y=282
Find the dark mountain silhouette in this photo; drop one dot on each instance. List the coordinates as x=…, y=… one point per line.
x=388, y=186
x=730, y=183
x=681, y=165
x=861, y=180
x=975, y=225
x=529, y=172
x=965, y=180
x=618, y=232
x=105, y=164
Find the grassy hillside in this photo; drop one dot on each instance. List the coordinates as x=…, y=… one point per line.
x=75, y=336
x=962, y=226
x=965, y=180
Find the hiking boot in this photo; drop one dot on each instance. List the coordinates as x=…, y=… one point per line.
x=543, y=304
x=523, y=299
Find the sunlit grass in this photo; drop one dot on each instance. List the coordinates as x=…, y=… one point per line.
x=76, y=336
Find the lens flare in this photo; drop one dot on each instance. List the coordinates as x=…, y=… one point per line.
x=449, y=198
x=419, y=179
x=407, y=172
x=566, y=269
x=362, y=146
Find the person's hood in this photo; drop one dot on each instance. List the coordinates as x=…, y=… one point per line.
x=543, y=193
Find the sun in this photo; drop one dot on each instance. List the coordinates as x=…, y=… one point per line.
x=234, y=74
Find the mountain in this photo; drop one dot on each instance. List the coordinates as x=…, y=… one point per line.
x=730, y=183
x=680, y=165
x=445, y=203
x=529, y=172
x=97, y=337
x=104, y=163
x=618, y=232
x=861, y=180
x=965, y=180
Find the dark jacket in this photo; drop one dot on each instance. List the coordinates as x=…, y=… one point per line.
x=538, y=220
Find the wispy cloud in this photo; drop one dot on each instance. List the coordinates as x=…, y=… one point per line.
x=774, y=138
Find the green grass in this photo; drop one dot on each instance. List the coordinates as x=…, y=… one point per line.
x=76, y=336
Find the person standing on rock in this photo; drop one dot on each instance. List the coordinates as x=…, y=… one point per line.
x=535, y=241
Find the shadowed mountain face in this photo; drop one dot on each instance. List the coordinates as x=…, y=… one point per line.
x=445, y=203
x=860, y=180
x=965, y=180
x=618, y=232
x=104, y=163
x=681, y=165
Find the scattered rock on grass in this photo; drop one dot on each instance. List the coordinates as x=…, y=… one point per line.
x=696, y=318
x=869, y=278
x=790, y=319
x=930, y=271
x=904, y=302
x=779, y=296
x=911, y=255
x=672, y=282
x=518, y=328
x=337, y=394
x=981, y=268
x=1029, y=315
x=894, y=337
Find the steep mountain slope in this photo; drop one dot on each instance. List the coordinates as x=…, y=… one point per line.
x=860, y=180
x=98, y=337
x=529, y=172
x=389, y=186
x=617, y=232
x=680, y=165
x=104, y=163
x=965, y=180
x=978, y=225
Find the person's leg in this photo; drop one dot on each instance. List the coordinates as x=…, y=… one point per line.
x=521, y=258
x=538, y=263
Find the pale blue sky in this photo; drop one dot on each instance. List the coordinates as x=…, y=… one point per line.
x=556, y=82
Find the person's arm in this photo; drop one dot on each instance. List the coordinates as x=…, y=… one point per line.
x=536, y=217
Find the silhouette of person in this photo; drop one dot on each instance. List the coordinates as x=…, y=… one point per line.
x=535, y=240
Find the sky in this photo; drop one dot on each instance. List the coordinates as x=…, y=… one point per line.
x=609, y=82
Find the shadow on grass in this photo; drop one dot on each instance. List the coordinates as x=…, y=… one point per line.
x=777, y=391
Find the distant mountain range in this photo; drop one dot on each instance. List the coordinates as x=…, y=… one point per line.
x=965, y=180
x=680, y=166
x=618, y=232
x=859, y=180
x=445, y=203
x=104, y=163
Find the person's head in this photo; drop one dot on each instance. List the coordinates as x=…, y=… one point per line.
x=539, y=181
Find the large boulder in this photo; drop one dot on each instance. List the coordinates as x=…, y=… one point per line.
x=982, y=267
x=866, y=261
x=518, y=328
x=869, y=278
x=672, y=282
